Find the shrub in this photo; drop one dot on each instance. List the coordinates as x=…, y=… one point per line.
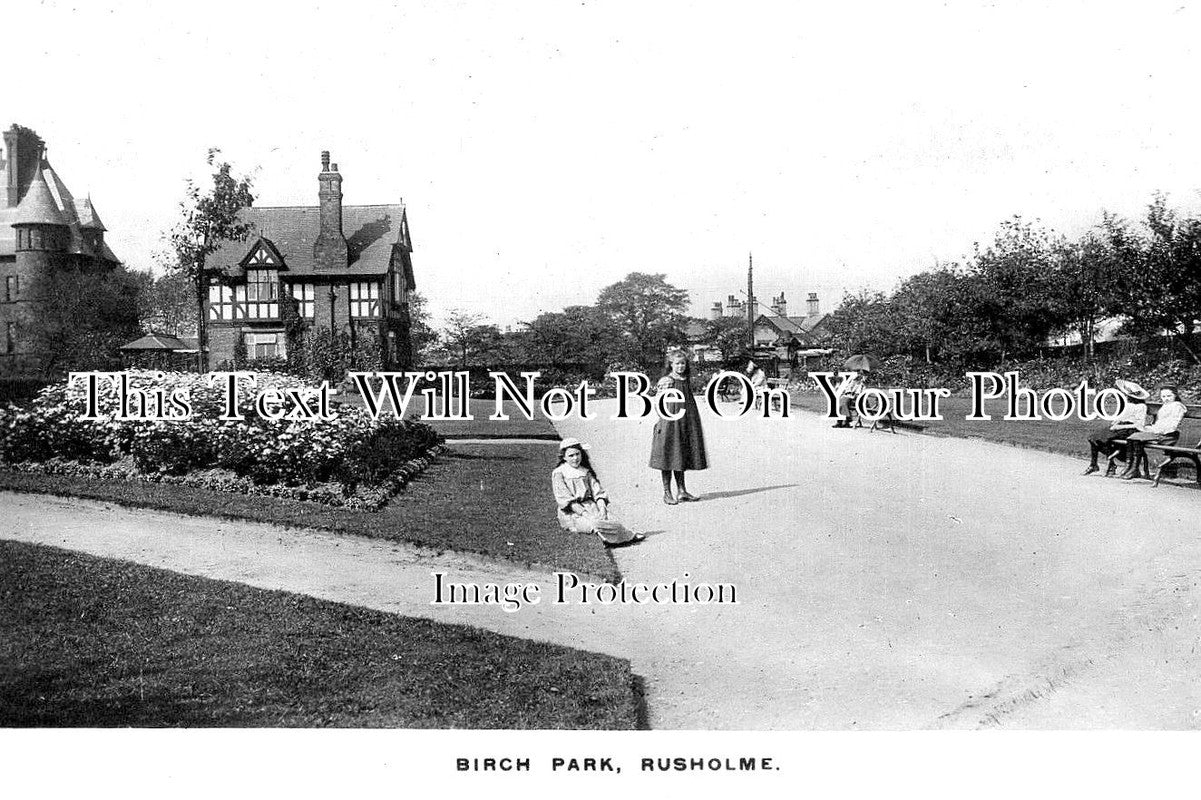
x=350, y=448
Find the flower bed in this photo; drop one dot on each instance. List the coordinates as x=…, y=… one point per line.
x=349, y=460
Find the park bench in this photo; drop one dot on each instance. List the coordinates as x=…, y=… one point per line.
x=889, y=421
x=1174, y=451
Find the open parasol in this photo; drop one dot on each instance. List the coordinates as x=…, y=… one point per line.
x=861, y=362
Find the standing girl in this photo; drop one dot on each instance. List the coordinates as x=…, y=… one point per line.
x=678, y=445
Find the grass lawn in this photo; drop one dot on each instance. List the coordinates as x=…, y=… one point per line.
x=492, y=499
x=1069, y=437
x=93, y=642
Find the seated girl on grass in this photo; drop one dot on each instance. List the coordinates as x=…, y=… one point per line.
x=583, y=506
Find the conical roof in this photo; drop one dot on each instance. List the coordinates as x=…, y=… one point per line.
x=88, y=218
x=38, y=206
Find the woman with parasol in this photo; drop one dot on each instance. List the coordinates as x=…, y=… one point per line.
x=849, y=390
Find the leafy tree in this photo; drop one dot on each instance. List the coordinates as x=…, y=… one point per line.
x=728, y=334
x=864, y=323
x=577, y=334
x=422, y=337
x=166, y=303
x=648, y=311
x=84, y=317
x=1160, y=272
x=928, y=312
x=208, y=219
x=1085, y=285
x=1013, y=297
x=471, y=342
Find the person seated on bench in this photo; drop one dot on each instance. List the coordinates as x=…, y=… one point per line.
x=846, y=399
x=1164, y=431
x=1133, y=417
x=758, y=382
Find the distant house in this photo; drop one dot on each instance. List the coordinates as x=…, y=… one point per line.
x=43, y=230
x=348, y=269
x=781, y=331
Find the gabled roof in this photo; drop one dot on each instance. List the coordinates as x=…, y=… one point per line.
x=782, y=324
x=157, y=341
x=269, y=258
x=372, y=233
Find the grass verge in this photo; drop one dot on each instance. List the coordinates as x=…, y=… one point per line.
x=490, y=499
x=92, y=642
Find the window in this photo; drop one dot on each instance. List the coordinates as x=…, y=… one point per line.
x=10, y=337
x=221, y=302
x=12, y=288
x=397, y=289
x=364, y=299
x=304, y=293
x=264, y=345
x=262, y=294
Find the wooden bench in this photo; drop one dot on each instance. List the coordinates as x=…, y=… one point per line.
x=1173, y=451
x=1176, y=453
x=889, y=421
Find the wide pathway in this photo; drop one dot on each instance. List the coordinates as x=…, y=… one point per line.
x=883, y=581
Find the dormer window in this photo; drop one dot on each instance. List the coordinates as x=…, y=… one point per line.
x=262, y=293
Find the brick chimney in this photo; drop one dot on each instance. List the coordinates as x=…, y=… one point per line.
x=811, y=305
x=329, y=251
x=22, y=153
x=779, y=306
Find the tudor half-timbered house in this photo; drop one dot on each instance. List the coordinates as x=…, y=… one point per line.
x=348, y=268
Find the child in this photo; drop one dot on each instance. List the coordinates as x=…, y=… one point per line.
x=678, y=444
x=583, y=504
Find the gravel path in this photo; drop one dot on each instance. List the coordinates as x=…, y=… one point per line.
x=883, y=581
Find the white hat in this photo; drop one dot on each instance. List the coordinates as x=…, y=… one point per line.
x=571, y=441
x=1131, y=389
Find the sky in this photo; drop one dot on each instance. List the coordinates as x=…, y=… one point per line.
x=547, y=149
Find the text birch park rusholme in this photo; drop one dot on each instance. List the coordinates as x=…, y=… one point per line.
x=444, y=397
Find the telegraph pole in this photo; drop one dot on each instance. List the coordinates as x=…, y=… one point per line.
x=750, y=300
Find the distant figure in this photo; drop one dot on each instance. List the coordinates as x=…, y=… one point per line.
x=1165, y=430
x=678, y=445
x=758, y=380
x=583, y=504
x=847, y=397
x=1133, y=417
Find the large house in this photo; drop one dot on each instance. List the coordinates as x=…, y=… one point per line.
x=42, y=229
x=348, y=269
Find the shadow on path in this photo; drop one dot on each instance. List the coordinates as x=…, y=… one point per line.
x=740, y=492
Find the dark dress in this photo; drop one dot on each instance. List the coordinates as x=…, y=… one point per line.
x=680, y=444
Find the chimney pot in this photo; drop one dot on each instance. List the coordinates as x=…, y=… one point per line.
x=325, y=161
x=333, y=167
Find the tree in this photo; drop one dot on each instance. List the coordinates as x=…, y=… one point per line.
x=209, y=218
x=166, y=303
x=648, y=311
x=1014, y=288
x=422, y=336
x=864, y=323
x=83, y=318
x=1160, y=272
x=727, y=334
x=575, y=335
x=1085, y=285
